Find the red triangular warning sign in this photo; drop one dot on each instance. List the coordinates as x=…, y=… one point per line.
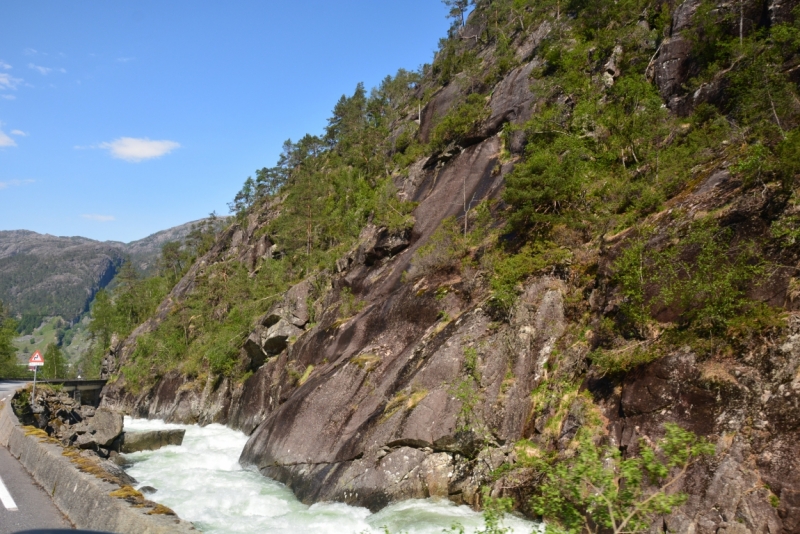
x=36, y=358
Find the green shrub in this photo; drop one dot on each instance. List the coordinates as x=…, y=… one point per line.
x=442, y=252
x=509, y=271
x=460, y=122
x=597, y=486
x=624, y=358
x=703, y=275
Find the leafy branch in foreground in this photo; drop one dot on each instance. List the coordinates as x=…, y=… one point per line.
x=598, y=491
x=494, y=510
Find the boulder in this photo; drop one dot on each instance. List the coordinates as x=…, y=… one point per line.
x=100, y=430
x=117, y=471
x=293, y=308
x=150, y=440
x=276, y=338
x=379, y=243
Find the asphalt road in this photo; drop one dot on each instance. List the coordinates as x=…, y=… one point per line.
x=34, y=509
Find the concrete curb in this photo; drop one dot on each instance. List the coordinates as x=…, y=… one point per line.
x=83, y=498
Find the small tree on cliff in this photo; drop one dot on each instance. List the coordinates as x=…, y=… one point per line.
x=458, y=8
x=597, y=490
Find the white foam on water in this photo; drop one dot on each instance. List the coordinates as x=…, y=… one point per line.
x=203, y=482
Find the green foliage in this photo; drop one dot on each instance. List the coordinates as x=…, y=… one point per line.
x=557, y=399
x=131, y=303
x=471, y=362
x=704, y=276
x=458, y=9
x=466, y=391
x=350, y=304
x=700, y=277
x=624, y=358
x=442, y=252
x=28, y=285
x=55, y=364
x=8, y=354
x=508, y=271
x=133, y=300
x=596, y=489
x=460, y=122
x=177, y=256
x=494, y=510
x=758, y=163
x=204, y=333
x=28, y=323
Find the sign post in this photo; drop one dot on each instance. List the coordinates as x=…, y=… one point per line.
x=35, y=361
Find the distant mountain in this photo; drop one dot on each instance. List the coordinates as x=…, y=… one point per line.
x=49, y=275
x=144, y=252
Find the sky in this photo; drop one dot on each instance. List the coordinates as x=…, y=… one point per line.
x=119, y=119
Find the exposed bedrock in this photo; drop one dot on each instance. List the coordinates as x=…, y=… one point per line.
x=384, y=422
x=367, y=386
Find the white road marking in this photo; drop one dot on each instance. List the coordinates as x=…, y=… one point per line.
x=5, y=498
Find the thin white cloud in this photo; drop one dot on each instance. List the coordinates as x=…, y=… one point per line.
x=42, y=70
x=30, y=52
x=136, y=150
x=125, y=59
x=8, y=82
x=15, y=183
x=5, y=140
x=4, y=65
x=96, y=217
x=19, y=133
x=8, y=97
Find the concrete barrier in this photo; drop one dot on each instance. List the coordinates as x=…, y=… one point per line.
x=82, y=497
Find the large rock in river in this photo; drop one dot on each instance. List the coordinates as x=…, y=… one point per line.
x=150, y=440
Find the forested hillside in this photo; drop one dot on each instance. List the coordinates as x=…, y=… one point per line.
x=44, y=275
x=546, y=262
x=48, y=283
x=48, y=276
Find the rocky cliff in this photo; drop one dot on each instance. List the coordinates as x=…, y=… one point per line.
x=387, y=377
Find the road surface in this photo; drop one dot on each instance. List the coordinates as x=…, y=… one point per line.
x=24, y=505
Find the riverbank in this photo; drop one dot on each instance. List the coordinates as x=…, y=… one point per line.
x=87, y=501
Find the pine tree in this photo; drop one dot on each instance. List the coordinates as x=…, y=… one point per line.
x=8, y=355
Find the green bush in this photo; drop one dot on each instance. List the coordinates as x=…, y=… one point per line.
x=703, y=275
x=460, y=122
x=624, y=358
x=508, y=271
x=441, y=253
x=597, y=486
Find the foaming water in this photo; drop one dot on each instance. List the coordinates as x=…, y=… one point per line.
x=203, y=482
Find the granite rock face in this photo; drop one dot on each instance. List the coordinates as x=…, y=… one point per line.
x=422, y=390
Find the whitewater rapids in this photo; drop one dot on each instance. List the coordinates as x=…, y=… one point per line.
x=203, y=482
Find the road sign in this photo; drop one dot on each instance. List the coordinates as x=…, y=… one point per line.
x=36, y=360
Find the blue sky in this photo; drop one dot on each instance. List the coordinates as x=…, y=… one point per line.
x=119, y=119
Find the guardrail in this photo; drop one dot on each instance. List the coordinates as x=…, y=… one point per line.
x=85, y=391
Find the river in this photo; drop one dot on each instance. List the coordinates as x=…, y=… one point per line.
x=203, y=482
